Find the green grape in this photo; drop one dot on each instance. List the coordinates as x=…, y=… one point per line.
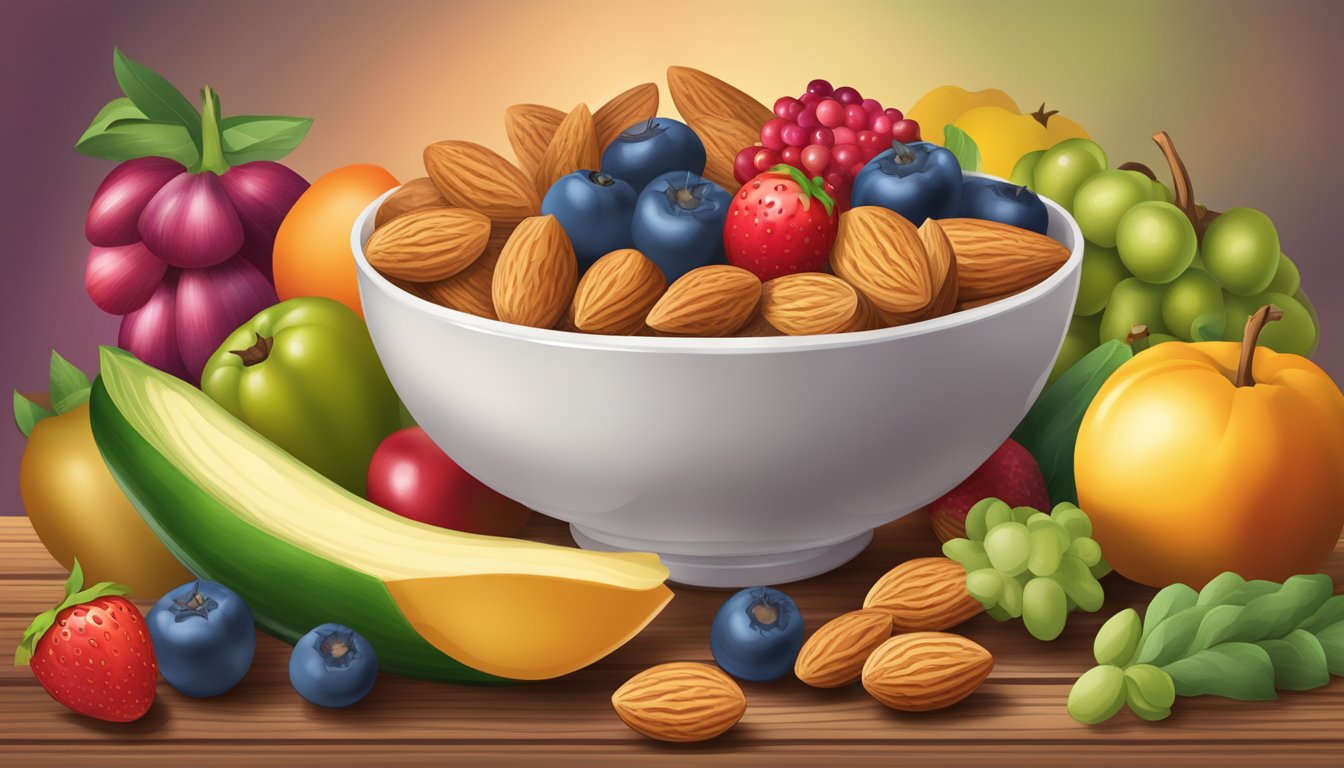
x=1156, y=241
x=1286, y=279
x=1118, y=639
x=1024, y=172
x=1008, y=547
x=1104, y=198
x=1097, y=695
x=1011, y=599
x=1190, y=297
x=996, y=514
x=997, y=613
x=1045, y=522
x=1022, y=514
x=1074, y=520
x=1133, y=301
x=1079, y=583
x=1295, y=332
x=1149, y=691
x=1162, y=192
x=1064, y=167
x=1241, y=249
x=1102, y=269
x=985, y=585
x=1081, y=338
x=975, y=519
x=1045, y=552
x=1100, y=570
x=1037, y=520
x=971, y=554
x=1086, y=549
x=1044, y=609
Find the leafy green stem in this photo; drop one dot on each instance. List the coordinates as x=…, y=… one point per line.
x=212, y=151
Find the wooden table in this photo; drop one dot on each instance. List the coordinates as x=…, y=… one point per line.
x=1017, y=717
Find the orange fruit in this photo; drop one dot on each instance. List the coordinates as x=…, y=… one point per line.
x=312, y=248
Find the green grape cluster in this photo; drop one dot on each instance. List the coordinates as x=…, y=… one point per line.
x=1144, y=263
x=1023, y=563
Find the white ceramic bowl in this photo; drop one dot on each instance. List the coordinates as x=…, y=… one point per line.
x=740, y=461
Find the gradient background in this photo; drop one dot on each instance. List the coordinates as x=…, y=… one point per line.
x=1249, y=93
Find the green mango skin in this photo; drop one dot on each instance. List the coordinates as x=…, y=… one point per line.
x=321, y=393
x=191, y=523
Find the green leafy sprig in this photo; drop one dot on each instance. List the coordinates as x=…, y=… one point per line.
x=1240, y=639
x=962, y=147
x=69, y=389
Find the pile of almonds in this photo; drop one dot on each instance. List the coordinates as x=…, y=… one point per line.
x=920, y=668
x=469, y=236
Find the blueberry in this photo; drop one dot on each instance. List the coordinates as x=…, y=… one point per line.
x=678, y=222
x=333, y=666
x=918, y=180
x=203, y=636
x=757, y=634
x=649, y=149
x=1003, y=202
x=595, y=209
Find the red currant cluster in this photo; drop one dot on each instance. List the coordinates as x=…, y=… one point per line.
x=826, y=132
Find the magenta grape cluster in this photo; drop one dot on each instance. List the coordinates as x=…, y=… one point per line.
x=828, y=133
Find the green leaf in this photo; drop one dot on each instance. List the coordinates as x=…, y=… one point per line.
x=1251, y=590
x=1329, y=614
x=155, y=96
x=1275, y=615
x=1299, y=661
x=1169, y=640
x=1236, y=670
x=1214, y=628
x=129, y=139
x=1167, y=602
x=259, y=137
x=112, y=113
x=1219, y=586
x=1332, y=643
x=72, y=401
x=66, y=380
x=27, y=414
x=962, y=147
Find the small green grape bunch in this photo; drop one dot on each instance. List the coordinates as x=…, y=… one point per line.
x=1023, y=563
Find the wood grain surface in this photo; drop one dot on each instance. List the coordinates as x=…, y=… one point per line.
x=1017, y=717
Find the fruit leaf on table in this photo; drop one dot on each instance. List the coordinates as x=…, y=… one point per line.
x=1235, y=638
x=962, y=146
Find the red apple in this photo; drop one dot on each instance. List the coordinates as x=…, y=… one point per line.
x=409, y=475
x=1010, y=473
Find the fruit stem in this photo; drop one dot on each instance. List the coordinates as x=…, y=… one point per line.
x=1140, y=167
x=1180, y=179
x=903, y=153
x=212, y=151
x=1254, y=324
x=1137, y=338
x=257, y=353
x=1043, y=117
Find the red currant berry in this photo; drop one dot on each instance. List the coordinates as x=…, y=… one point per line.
x=770, y=133
x=872, y=106
x=845, y=135
x=881, y=125
x=893, y=113
x=794, y=135
x=782, y=105
x=808, y=118
x=792, y=156
x=846, y=155
x=765, y=159
x=856, y=119
x=905, y=131
x=819, y=87
x=847, y=95
x=822, y=136
x=815, y=159
x=831, y=113
x=809, y=99
x=744, y=165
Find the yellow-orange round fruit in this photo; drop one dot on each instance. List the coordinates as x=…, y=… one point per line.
x=312, y=248
x=78, y=510
x=1186, y=475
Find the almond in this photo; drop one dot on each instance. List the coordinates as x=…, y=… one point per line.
x=536, y=274
x=807, y=303
x=707, y=301
x=757, y=326
x=415, y=289
x=617, y=292
x=866, y=317
x=879, y=252
x=924, y=593
x=470, y=290
x=920, y=671
x=414, y=195
x=698, y=94
x=723, y=138
x=625, y=110
x=834, y=655
x=530, y=128
x=572, y=148
x=681, y=701
x=942, y=266
x=430, y=244
x=996, y=259
x=472, y=176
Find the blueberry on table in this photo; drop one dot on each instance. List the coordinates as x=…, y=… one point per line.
x=678, y=222
x=651, y=148
x=917, y=180
x=757, y=634
x=333, y=666
x=204, y=638
x=595, y=209
x=1006, y=203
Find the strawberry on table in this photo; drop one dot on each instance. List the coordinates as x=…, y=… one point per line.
x=92, y=652
x=779, y=223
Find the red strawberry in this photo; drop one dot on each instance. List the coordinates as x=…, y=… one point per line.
x=779, y=223
x=1010, y=473
x=92, y=652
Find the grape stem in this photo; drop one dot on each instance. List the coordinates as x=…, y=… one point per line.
x=1254, y=324
x=1138, y=335
x=1182, y=187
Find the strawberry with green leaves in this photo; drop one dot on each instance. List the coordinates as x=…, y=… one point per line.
x=779, y=223
x=92, y=652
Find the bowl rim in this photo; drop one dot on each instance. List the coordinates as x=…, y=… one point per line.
x=705, y=344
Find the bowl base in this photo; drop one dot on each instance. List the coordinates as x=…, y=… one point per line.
x=736, y=571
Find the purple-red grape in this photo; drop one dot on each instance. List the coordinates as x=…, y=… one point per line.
x=782, y=105
x=846, y=155
x=765, y=159
x=822, y=136
x=905, y=131
x=856, y=117
x=819, y=87
x=831, y=113
x=815, y=159
x=791, y=156
x=893, y=113
x=845, y=135
x=881, y=125
x=770, y=133
x=794, y=135
x=809, y=99
x=744, y=164
x=872, y=106
x=847, y=95
x=808, y=118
